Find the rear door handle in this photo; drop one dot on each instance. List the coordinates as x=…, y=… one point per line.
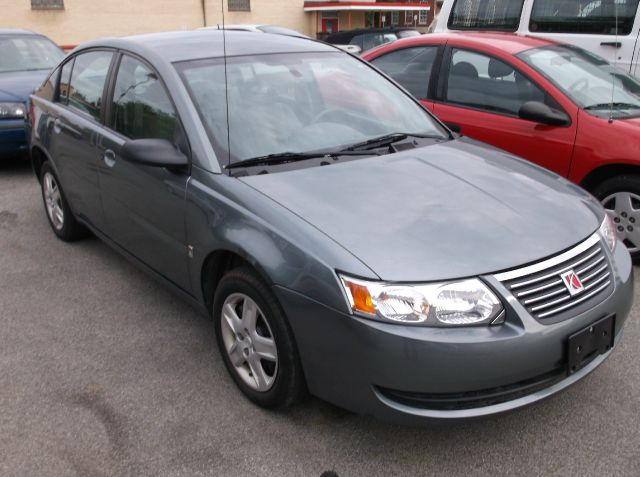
x=615, y=44
x=109, y=158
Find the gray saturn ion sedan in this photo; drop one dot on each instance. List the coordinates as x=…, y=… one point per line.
x=342, y=239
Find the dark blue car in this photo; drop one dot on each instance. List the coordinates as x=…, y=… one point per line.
x=25, y=60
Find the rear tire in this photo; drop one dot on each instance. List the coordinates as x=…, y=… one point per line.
x=620, y=196
x=256, y=342
x=59, y=214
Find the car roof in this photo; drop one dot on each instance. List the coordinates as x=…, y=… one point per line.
x=510, y=43
x=200, y=44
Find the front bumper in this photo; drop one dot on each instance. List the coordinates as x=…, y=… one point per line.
x=363, y=365
x=13, y=138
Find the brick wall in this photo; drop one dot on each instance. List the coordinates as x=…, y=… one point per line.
x=82, y=20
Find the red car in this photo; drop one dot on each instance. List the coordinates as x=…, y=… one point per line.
x=554, y=104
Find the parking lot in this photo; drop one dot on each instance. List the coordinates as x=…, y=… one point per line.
x=103, y=372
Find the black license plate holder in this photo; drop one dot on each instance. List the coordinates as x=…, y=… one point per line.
x=590, y=342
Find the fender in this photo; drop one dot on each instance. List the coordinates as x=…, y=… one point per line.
x=224, y=214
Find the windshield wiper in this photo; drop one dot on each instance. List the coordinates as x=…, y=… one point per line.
x=284, y=157
x=612, y=105
x=387, y=140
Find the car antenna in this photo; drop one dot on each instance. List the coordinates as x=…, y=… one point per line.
x=615, y=64
x=226, y=82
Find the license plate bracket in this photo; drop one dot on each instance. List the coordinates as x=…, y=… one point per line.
x=590, y=342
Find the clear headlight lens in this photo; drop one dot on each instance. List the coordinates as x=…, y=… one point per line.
x=608, y=232
x=12, y=110
x=459, y=303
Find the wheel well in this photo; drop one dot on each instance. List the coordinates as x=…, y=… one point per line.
x=598, y=176
x=214, y=268
x=37, y=159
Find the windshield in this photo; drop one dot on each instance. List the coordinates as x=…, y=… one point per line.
x=28, y=52
x=587, y=79
x=300, y=102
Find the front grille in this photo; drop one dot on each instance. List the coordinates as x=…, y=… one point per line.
x=541, y=290
x=475, y=399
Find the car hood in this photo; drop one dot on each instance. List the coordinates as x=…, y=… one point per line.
x=445, y=211
x=17, y=86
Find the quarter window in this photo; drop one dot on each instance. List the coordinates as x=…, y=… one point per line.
x=497, y=15
x=65, y=79
x=141, y=106
x=482, y=82
x=596, y=17
x=85, y=89
x=411, y=67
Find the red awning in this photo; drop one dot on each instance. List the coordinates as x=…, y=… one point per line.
x=364, y=6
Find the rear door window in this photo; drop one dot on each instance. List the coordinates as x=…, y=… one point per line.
x=496, y=15
x=88, y=79
x=411, y=67
x=596, y=17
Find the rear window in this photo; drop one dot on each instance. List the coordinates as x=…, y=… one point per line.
x=408, y=33
x=495, y=15
x=368, y=41
x=595, y=17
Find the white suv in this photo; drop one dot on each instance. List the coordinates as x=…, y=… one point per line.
x=590, y=24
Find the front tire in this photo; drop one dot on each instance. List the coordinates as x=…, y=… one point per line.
x=255, y=341
x=59, y=214
x=620, y=196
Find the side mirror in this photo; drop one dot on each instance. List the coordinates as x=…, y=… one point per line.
x=543, y=114
x=153, y=152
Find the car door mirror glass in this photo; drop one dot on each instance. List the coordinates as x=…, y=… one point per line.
x=153, y=152
x=543, y=114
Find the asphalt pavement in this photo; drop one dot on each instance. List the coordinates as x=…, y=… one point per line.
x=104, y=372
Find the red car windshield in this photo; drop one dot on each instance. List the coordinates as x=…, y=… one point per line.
x=590, y=81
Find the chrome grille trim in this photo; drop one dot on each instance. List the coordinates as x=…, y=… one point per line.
x=535, y=290
x=545, y=277
x=568, y=297
x=569, y=305
x=538, y=267
x=590, y=276
x=543, y=297
x=589, y=267
x=542, y=292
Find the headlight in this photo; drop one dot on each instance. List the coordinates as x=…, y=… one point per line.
x=12, y=110
x=458, y=303
x=608, y=232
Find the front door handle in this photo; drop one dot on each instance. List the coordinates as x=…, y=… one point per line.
x=60, y=125
x=615, y=44
x=109, y=158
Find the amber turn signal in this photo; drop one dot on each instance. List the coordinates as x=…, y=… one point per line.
x=360, y=298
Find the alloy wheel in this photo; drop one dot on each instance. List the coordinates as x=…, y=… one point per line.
x=53, y=200
x=249, y=342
